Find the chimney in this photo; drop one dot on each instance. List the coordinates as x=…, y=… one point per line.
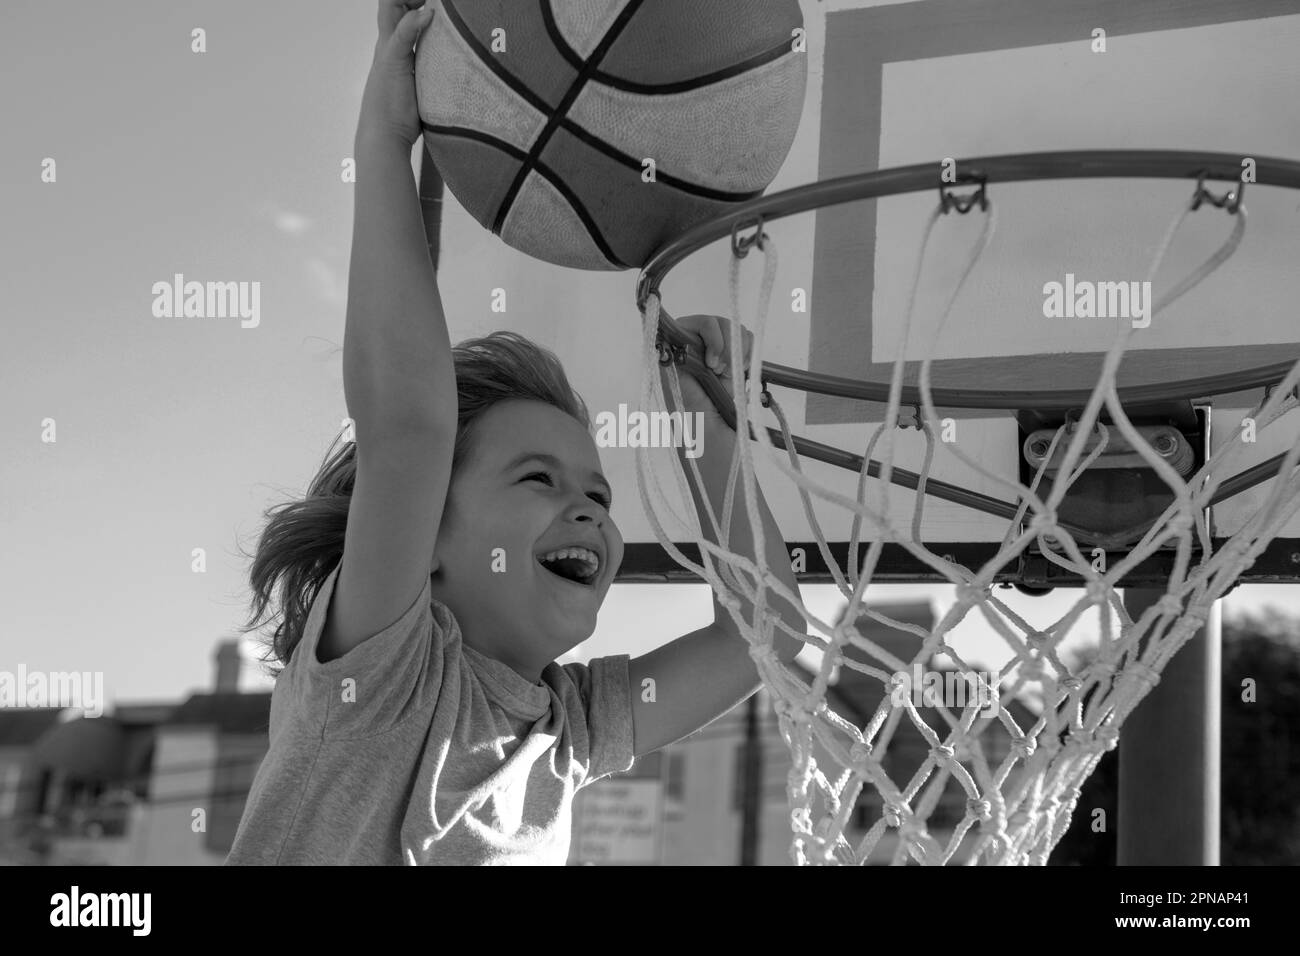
x=228, y=666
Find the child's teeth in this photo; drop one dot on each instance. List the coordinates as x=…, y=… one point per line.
x=580, y=553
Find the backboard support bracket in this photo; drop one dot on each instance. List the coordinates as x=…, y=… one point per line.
x=1121, y=502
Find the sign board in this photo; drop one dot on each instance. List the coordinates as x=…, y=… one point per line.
x=619, y=821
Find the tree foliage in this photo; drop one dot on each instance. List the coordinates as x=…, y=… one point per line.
x=1260, y=755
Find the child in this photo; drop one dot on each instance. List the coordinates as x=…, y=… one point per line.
x=440, y=565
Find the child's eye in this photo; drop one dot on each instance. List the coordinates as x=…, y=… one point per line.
x=600, y=499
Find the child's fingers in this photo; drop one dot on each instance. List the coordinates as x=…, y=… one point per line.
x=399, y=45
x=398, y=49
x=714, y=331
x=391, y=13
x=715, y=348
x=410, y=27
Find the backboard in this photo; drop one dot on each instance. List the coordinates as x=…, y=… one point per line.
x=894, y=85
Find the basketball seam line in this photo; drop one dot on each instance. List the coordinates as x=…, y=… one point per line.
x=542, y=170
x=578, y=132
x=571, y=57
x=487, y=59
x=587, y=72
x=566, y=51
x=529, y=161
x=694, y=189
x=584, y=75
x=696, y=83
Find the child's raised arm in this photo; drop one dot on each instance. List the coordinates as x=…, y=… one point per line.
x=398, y=377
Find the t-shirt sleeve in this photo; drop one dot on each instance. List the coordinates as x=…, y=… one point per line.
x=378, y=684
x=603, y=686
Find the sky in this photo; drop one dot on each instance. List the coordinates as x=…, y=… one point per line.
x=175, y=434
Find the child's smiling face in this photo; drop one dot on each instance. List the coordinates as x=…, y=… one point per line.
x=531, y=485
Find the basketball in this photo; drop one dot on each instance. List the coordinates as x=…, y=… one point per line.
x=587, y=134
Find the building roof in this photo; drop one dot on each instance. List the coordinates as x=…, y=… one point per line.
x=84, y=748
x=231, y=713
x=23, y=726
x=120, y=748
x=143, y=715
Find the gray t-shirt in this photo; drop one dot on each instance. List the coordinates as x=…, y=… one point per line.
x=414, y=748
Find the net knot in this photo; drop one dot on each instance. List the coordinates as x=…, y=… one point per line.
x=1140, y=673
x=942, y=752
x=1080, y=740
x=1024, y=746
x=980, y=809
x=1044, y=522
x=893, y=815
x=971, y=594
x=1099, y=592
x=765, y=654
x=1108, y=736
x=860, y=753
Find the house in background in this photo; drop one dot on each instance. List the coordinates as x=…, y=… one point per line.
x=165, y=784
x=152, y=784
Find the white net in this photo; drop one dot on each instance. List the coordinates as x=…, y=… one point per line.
x=1020, y=779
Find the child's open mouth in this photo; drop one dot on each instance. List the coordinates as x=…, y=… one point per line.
x=575, y=565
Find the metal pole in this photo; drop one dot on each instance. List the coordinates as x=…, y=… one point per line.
x=753, y=777
x=1169, y=755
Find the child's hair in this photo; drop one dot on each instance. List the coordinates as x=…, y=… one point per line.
x=303, y=539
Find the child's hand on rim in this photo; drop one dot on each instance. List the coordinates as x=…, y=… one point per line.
x=715, y=341
x=388, y=106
